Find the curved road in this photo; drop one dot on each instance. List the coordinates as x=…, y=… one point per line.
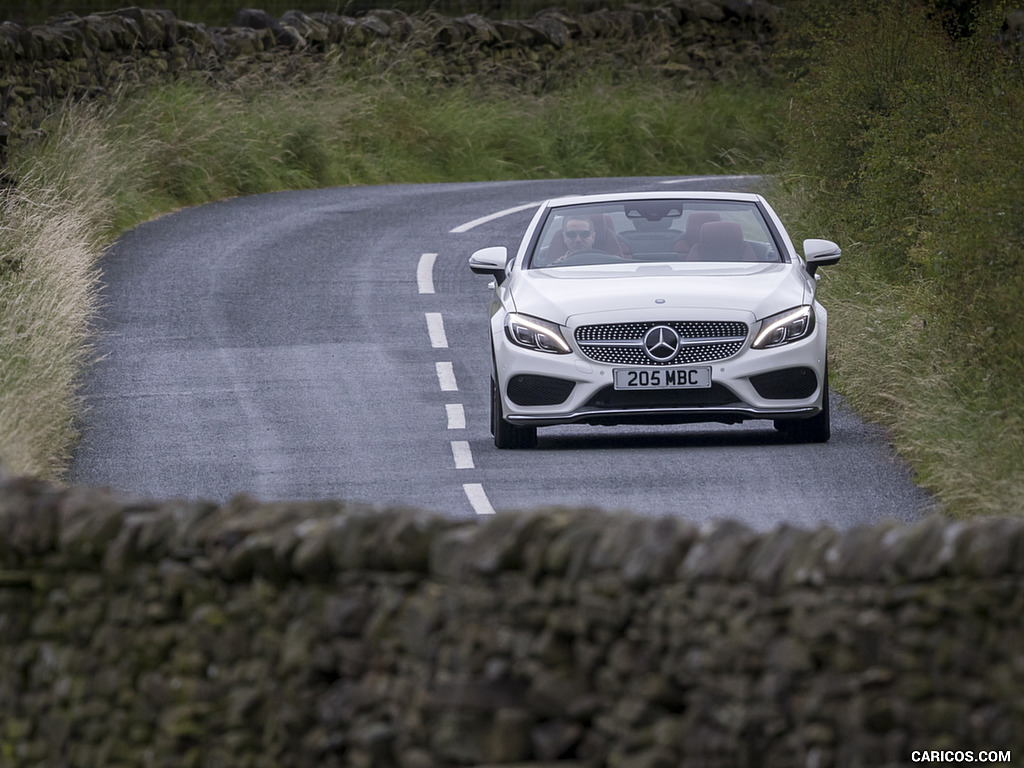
x=332, y=344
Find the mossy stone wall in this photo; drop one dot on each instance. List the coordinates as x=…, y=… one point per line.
x=295, y=634
x=81, y=57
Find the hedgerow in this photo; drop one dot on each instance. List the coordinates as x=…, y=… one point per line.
x=905, y=144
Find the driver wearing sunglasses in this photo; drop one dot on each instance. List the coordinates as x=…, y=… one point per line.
x=578, y=235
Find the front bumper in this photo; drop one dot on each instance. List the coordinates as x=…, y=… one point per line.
x=541, y=389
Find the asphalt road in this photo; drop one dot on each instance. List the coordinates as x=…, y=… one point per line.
x=332, y=344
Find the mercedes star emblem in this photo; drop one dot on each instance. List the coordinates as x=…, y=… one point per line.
x=661, y=343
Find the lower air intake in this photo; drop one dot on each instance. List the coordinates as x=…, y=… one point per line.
x=527, y=389
x=787, y=384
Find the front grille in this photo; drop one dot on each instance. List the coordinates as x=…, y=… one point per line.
x=527, y=389
x=700, y=341
x=787, y=384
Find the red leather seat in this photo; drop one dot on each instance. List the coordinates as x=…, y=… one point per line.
x=691, y=237
x=722, y=241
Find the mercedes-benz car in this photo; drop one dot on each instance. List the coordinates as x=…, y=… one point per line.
x=656, y=308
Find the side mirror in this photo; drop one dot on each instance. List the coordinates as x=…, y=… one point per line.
x=820, y=253
x=490, y=261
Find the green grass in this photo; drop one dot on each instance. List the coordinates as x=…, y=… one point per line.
x=963, y=439
x=103, y=168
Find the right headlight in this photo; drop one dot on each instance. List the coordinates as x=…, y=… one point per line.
x=534, y=333
x=785, y=327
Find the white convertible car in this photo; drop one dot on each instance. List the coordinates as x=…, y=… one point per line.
x=657, y=308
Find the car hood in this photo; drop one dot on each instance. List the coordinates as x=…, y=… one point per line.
x=562, y=293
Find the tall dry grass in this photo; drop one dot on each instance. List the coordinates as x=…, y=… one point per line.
x=52, y=230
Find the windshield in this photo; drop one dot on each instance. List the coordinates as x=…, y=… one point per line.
x=651, y=231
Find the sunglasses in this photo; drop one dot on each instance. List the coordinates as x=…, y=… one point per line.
x=578, y=234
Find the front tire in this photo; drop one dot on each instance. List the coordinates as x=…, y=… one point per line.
x=817, y=429
x=508, y=435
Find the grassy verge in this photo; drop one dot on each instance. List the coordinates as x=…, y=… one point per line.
x=102, y=169
x=962, y=438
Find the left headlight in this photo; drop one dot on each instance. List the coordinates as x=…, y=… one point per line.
x=534, y=333
x=785, y=327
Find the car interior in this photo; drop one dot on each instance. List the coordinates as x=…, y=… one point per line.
x=659, y=231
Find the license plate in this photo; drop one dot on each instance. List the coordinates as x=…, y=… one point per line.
x=662, y=378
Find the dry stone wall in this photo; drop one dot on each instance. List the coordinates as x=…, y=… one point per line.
x=143, y=633
x=78, y=57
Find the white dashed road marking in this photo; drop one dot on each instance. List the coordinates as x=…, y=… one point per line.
x=425, y=273
x=435, y=327
x=462, y=455
x=446, y=377
x=456, y=416
x=478, y=499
